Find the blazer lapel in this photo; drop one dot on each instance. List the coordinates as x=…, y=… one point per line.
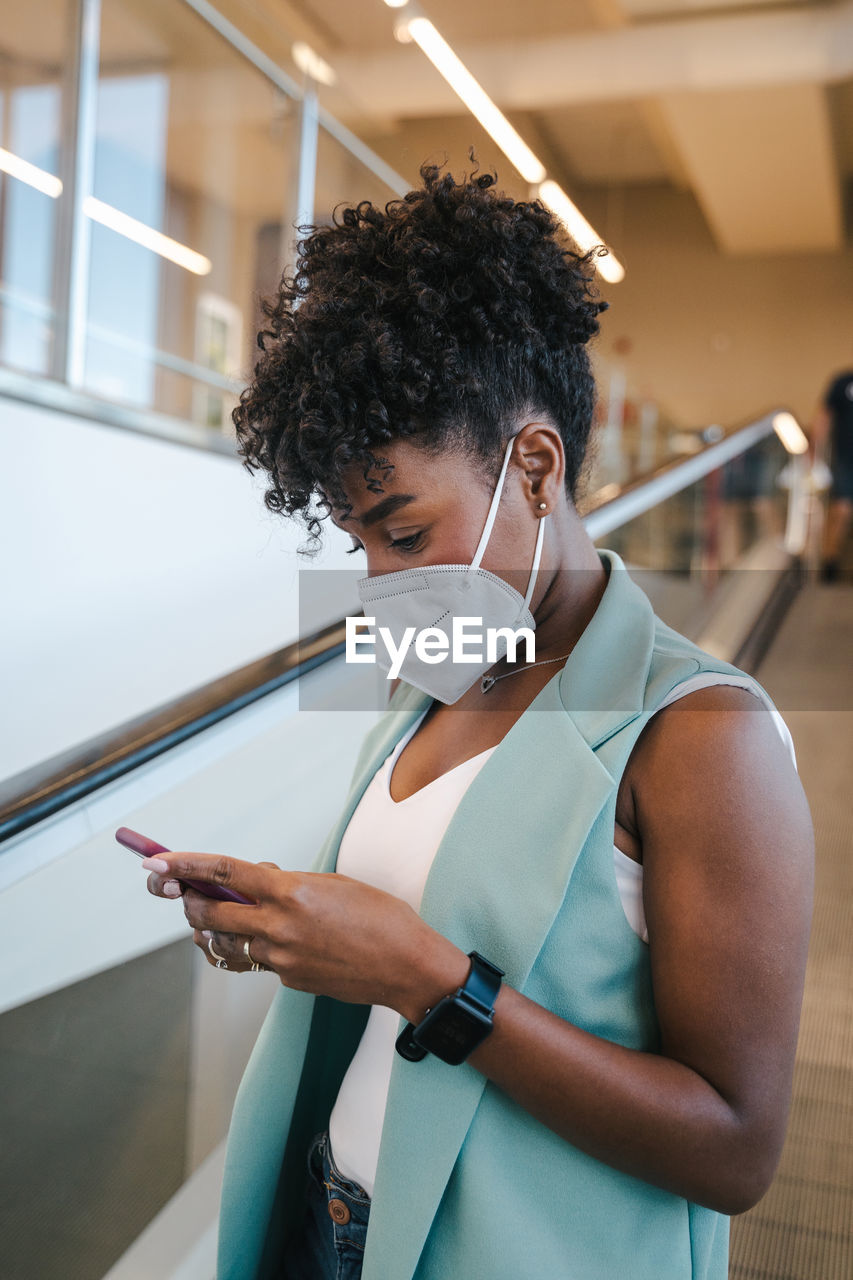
x=500, y=875
x=264, y=1107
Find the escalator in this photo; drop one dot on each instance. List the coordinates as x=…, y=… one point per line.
x=121, y=1049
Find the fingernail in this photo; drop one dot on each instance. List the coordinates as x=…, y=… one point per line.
x=155, y=864
x=171, y=889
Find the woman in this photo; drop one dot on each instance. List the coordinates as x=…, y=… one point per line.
x=584, y=915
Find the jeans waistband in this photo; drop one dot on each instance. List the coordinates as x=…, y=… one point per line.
x=320, y=1162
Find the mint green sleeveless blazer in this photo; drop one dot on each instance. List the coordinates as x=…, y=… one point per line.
x=469, y=1184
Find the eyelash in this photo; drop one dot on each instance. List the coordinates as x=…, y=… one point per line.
x=402, y=543
x=413, y=538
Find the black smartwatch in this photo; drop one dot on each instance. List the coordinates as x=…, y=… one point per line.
x=458, y=1023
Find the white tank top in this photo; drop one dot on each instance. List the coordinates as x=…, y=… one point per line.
x=391, y=845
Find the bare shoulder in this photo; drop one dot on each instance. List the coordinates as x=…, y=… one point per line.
x=728, y=854
x=726, y=829
x=699, y=721
x=722, y=817
x=720, y=726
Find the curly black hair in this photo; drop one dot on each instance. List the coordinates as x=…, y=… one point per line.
x=445, y=316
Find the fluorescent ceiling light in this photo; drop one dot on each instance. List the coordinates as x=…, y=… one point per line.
x=396, y=4
x=30, y=174
x=126, y=226
x=499, y=128
x=312, y=64
x=790, y=432
x=584, y=236
x=146, y=236
x=475, y=98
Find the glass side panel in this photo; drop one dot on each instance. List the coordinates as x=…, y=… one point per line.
x=633, y=432
x=689, y=546
x=194, y=168
x=32, y=71
x=94, y=1098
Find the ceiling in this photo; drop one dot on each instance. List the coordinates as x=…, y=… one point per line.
x=747, y=105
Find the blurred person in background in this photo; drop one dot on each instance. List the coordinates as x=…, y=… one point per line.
x=833, y=423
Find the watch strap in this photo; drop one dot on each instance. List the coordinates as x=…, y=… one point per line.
x=480, y=989
x=407, y=1046
x=483, y=982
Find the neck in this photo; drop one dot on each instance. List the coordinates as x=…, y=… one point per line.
x=572, y=587
x=569, y=587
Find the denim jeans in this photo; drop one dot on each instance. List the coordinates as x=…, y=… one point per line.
x=329, y=1244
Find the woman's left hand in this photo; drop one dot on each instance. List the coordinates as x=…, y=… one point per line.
x=320, y=932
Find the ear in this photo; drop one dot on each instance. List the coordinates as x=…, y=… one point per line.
x=539, y=452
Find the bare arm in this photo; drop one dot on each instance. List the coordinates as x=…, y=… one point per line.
x=728, y=851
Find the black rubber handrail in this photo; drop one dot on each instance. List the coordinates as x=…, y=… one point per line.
x=34, y=794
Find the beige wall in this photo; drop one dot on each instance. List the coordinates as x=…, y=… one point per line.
x=718, y=338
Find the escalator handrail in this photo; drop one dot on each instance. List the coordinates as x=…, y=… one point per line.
x=42, y=790
x=608, y=510
x=34, y=794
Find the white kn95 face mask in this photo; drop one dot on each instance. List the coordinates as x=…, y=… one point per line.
x=436, y=594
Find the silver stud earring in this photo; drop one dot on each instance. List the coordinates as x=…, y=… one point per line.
x=543, y=506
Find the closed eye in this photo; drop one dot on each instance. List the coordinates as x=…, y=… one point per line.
x=412, y=543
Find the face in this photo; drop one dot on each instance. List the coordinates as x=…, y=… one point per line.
x=431, y=510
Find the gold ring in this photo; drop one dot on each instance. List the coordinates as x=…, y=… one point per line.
x=256, y=968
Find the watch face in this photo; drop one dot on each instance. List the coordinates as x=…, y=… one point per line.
x=451, y=1031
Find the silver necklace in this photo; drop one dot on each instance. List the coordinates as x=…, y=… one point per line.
x=486, y=682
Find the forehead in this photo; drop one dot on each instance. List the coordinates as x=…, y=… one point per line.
x=402, y=473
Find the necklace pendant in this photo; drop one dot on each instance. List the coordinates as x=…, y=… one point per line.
x=486, y=683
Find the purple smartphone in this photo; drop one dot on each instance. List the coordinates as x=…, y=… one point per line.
x=146, y=848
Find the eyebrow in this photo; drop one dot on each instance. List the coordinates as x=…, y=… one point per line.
x=384, y=508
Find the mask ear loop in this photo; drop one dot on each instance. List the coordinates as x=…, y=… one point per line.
x=493, y=511
x=540, y=537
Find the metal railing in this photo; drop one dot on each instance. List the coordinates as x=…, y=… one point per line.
x=69, y=304
x=27, y=798
x=608, y=510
